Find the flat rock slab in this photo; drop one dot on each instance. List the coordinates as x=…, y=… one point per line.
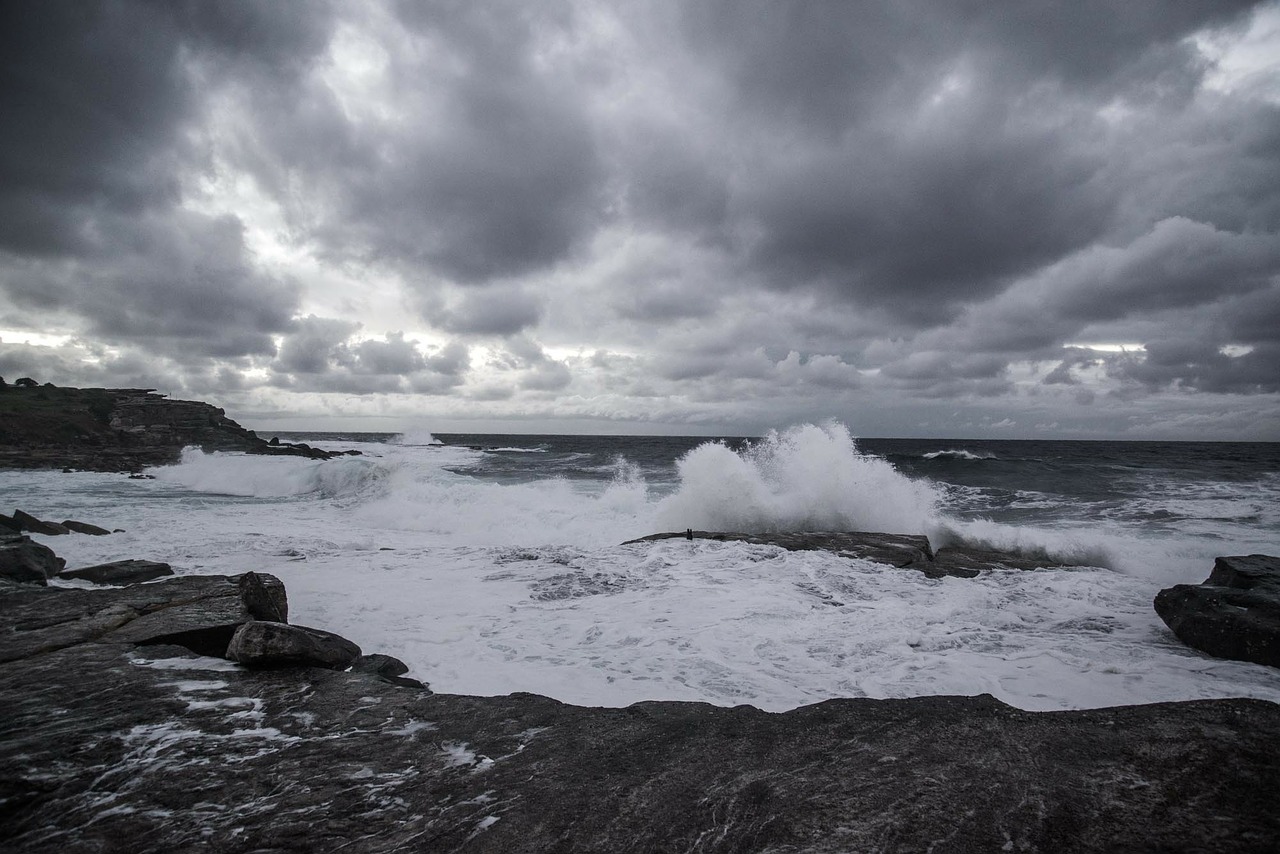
x=1234, y=614
x=905, y=551
x=201, y=612
x=120, y=572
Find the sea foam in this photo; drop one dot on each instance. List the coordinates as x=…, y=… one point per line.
x=807, y=477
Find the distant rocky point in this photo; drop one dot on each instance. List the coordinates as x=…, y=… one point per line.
x=117, y=429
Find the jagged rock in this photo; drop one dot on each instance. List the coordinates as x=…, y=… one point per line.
x=25, y=561
x=121, y=572
x=84, y=528
x=905, y=551
x=200, y=613
x=9, y=525
x=1234, y=613
x=268, y=644
x=27, y=522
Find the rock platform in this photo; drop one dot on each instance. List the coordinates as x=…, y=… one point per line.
x=119, y=735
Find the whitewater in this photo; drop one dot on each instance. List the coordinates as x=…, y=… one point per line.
x=495, y=564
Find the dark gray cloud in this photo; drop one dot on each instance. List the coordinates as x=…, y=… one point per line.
x=107, y=97
x=744, y=207
x=323, y=354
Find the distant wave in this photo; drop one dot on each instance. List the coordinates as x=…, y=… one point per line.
x=274, y=477
x=515, y=450
x=415, y=438
x=956, y=454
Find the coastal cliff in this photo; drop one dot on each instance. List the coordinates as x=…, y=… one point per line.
x=120, y=429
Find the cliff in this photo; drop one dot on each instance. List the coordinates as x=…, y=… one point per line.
x=120, y=429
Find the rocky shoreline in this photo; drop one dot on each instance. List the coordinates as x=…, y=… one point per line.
x=187, y=713
x=118, y=430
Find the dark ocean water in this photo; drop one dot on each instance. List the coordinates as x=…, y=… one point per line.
x=1174, y=486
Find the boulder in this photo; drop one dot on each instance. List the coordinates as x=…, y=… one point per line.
x=84, y=528
x=382, y=665
x=120, y=572
x=388, y=669
x=37, y=526
x=1234, y=613
x=268, y=644
x=25, y=561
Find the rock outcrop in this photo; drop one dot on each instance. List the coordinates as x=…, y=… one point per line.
x=905, y=551
x=117, y=429
x=1234, y=613
x=119, y=735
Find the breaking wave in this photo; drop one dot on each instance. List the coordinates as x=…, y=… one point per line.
x=957, y=455
x=806, y=478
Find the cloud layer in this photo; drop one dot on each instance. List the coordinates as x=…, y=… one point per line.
x=921, y=219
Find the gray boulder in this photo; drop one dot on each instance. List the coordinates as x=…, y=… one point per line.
x=1234, y=614
x=268, y=644
x=121, y=572
x=25, y=561
x=380, y=664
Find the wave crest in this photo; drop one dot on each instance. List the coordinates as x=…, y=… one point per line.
x=808, y=477
x=256, y=476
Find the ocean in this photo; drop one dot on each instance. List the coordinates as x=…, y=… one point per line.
x=493, y=564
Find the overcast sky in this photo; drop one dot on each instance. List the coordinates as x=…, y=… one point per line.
x=959, y=219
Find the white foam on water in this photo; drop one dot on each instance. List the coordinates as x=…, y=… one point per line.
x=806, y=478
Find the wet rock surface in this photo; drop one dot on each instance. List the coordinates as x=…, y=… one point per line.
x=120, y=572
x=1234, y=613
x=116, y=738
x=905, y=551
x=98, y=429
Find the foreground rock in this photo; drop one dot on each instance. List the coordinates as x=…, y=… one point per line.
x=106, y=745
x=1234, y=614
x=117, y=429
x=905, y=551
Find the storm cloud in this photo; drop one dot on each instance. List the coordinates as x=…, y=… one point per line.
x=919, y=218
